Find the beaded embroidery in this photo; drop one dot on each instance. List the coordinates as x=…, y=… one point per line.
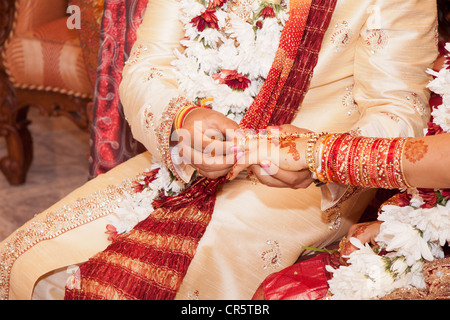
x=342, y=36
x=418, y=104
x=163, y=130
x=272, y=256
x=54, y=223
x=137, y=54
x=348, y=101
x=375, y=39
x=152, y=74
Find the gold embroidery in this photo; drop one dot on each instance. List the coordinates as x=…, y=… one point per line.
x=342, y=36
x=392, y=116
x=152, y=74
x=272, y=256
x=137, y=54
x=333, y=214
x=148, y=118
x=195, y=295
x=348, y=101
x=375, y=39
x=163, y=130
x=54, y=223
x=418, y=104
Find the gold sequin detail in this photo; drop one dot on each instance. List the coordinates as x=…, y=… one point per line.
x=342, y=36
x=153, y=74
x=418, y=105
x=375, y=39
x=137, y=54
x=163, y=130
x=271, y=257
x=52, y=224
x=394, y=117
x=348, y=101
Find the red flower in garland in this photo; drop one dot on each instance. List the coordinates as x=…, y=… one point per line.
x=268, y=12
x=446, y=194
x=429, y=197
x=216, y=3
x=112, y=231
x=139, y=186
x=434, y=129
x=233, y=79
x=206, y=20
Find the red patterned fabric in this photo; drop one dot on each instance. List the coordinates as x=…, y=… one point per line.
x=288, y=81
x=111, y=139
x=89, y=33
x=306, y=280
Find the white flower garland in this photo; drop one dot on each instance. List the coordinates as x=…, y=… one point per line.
x=410, y=234
x=441, y=85
x=245, y=46
x=136, y=206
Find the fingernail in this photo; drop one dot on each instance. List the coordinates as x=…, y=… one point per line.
x=239, y=155
x=265, y=164
x=234, y=149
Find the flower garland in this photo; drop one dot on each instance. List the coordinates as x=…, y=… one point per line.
x=155, y=182
x=412, y=231
x=229, y=50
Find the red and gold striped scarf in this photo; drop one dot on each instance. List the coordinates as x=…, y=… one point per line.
x=150, y=262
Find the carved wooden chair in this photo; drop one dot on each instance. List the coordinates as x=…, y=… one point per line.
x=42, y=66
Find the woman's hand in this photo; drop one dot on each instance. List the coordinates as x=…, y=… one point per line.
x=365, y=232
x=203, y=142
x=276, y=162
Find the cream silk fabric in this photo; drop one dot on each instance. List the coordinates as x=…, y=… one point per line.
x=374, y=86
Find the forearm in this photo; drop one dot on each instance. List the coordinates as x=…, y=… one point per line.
x=384, y=163
x=426, y=161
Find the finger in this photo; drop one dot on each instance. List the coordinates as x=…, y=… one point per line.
x=240, y=166
x=266, y=178
x=206, y=162
x=276, y=177
x=213, y=174
x=294, y=179
x=211, y=140
x=217, y=147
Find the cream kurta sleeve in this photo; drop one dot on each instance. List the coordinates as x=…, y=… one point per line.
x=149, y=89
x=390, y=85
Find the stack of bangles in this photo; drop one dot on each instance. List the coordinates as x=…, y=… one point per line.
x=183, y=113
x=359, y=161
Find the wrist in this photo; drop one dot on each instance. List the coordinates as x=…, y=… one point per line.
x=181, y=116
x=313, y=147
x=186, y=111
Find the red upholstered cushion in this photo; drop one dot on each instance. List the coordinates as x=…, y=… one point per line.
x=48, y=57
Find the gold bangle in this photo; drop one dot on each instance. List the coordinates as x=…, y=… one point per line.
x=310, y=147
x=402, y=177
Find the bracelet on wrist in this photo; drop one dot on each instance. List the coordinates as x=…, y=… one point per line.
x=183, y=113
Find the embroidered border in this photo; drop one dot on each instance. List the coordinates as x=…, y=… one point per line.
x=163, y=131
x=55, y=223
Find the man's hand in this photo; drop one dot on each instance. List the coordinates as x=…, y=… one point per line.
x=203, y=142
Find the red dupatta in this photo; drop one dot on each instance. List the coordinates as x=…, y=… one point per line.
x=151, y=260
